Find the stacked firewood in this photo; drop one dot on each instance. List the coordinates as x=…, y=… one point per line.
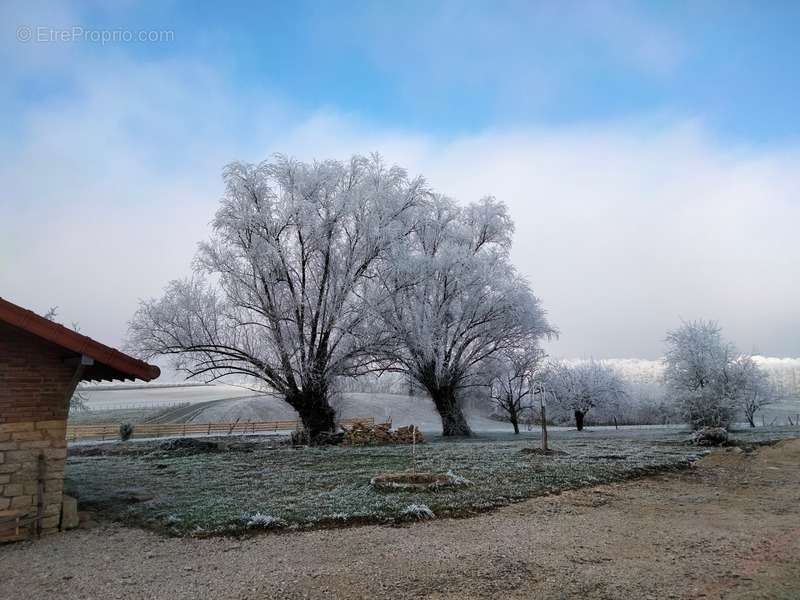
x=408, y=435
x=361, y=434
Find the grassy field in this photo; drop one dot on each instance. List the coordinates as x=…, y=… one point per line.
x=219, y=493
x=134, y=414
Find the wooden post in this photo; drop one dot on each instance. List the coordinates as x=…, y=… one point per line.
x=414, y=449
x=542, y=406
x=40, y=494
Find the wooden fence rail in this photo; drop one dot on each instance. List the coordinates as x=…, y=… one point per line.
x=111, y=431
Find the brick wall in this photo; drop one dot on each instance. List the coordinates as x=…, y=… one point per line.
x=35, y=385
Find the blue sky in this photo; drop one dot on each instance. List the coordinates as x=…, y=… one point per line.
x=649, y=152
x=459, y=67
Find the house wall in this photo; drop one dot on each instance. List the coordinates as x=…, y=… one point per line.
x=35, y=387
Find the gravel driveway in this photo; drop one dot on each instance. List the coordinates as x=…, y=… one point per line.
x=729, y=528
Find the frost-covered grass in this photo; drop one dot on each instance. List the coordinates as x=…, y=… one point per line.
x=232, y=492
x=261, y=521
x=120, y=415
x=417, y=512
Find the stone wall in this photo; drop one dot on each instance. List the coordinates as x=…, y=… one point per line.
x=21, y=444
x=35, y=387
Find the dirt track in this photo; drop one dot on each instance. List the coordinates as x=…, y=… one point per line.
x=729, y=528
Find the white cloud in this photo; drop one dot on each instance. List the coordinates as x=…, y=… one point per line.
x=622, y=229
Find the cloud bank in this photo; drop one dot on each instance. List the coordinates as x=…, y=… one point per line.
x=622, y=227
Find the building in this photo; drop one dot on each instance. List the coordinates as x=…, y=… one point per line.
x=41, y=364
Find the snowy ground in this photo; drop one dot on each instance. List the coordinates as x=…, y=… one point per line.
x=227, y=403
x=219, y=492
x=725, y=529
x=144, y=396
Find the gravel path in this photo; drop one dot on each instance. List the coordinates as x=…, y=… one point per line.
x=729, y=528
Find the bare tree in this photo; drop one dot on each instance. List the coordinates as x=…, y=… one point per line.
x=453, y=300
x=280, y=292
x=750, y=387
x=584, y=386
x=511, y=382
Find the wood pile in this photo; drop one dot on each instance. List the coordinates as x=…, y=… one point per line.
x=363, y=434
x=406, y=435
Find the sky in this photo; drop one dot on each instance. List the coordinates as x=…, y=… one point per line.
x=649, y=152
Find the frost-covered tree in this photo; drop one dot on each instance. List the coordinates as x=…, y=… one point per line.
x=511, y=376
x=579, y=388
x=280, y=292
x=698, y=372
x=751, y=387
x=453, y=300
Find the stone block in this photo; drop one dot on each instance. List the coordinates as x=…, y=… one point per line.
x=53, y=485
x=26, y=436
x=16, y=427
x=50, y=522
x=54, y=425
x=51, y=497
x=18, y=456
x=35, y=445
x=52, y=509
x=22, y=502
x=13, y=489
x=22, y=476
x=58, y=453
x=69, y=513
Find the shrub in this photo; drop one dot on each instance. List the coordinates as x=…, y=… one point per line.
x=457, y=479
x=262, y=521
x=125, y=431
x=710, y=436
x=417, y=512
x=707, y=409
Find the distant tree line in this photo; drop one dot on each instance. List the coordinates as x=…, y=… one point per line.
x=706, y=382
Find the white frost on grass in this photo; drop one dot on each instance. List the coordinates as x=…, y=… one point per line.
x=262, y=521
x=454, y=479
x=419, y=512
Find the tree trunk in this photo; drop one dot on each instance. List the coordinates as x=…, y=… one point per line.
x=316, y=413
x=579, y=419
x=454, y=423
x=513, y=416
x=544, y=426
x=751, y=421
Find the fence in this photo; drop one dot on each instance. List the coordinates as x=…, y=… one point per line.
x=111, y=431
